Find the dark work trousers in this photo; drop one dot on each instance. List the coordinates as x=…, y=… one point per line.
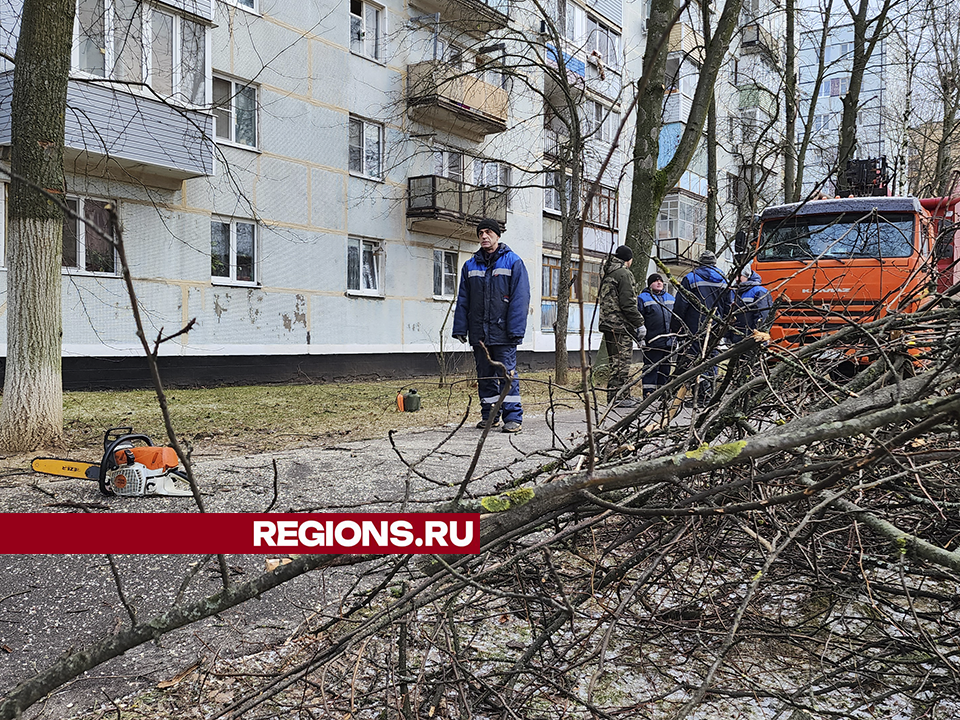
x=656, y=369
x=490, y=382
x=708, y=378
x=620, y=356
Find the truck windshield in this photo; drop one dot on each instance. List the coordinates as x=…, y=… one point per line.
x=848, y=235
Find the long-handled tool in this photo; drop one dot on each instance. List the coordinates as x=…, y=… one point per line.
x=132, y=466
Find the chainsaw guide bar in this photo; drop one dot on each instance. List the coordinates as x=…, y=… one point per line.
x=66, y=468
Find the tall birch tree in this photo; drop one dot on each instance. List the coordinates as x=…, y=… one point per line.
x=31, y=414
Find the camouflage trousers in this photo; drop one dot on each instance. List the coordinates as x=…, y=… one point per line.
x=620, y=356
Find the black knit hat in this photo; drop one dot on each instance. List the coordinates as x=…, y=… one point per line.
x=655, y=277
x=624, y=253
x=707, y=258
x=489, y=224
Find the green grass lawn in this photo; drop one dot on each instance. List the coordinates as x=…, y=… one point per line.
x=270, y=417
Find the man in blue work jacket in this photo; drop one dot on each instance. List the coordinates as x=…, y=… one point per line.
x=699, y=313
x=656, y=306
x=492, y=307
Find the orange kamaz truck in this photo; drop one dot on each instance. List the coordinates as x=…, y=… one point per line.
x=829, y=262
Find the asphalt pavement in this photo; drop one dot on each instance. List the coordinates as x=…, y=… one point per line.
x=50, y=604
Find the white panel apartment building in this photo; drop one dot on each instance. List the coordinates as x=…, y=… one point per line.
x=881, y=125
x=303, y=178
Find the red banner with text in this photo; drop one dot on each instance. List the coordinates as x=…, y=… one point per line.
x=239, y=533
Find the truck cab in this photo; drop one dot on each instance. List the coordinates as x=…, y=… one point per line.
x=831, y=262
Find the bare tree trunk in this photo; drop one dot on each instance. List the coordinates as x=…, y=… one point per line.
x=31, y=414
x=790, y=190
x=710, y=236
x=650, y=184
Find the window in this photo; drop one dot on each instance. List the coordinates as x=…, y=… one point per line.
x=444, y=273
x=235, y=111
x=600, y=121
x=364, y=260
x=249, y=4
x=365, y=29
x=492, y=174
x=550, y=289
x=574, y=20
x=84, y=247
x=233, y=250
x=448, y=164
x=603, y=209
x=838, y=51
x=750, y=121
x=821, y=123
x=366, y=139
x=603, y=44
x=492, y=71
x=681, y=217
x=835, y=87
x=129, y=41
x=736, y=189
x=552, y=192
x=671, y=75
x=449, y=54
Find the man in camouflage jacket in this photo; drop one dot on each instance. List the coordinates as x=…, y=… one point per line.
x=620, y=322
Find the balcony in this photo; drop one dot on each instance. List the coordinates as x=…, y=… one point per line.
x=112, y=133
x=686, y=40
x=757, y=38
x=451, y=208
x=445, y=98
x=476, y=17
x=678, y=251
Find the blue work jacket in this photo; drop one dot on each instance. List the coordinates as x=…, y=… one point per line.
x=750, y=304
x=657, y=311
x=704, y=293
x=494, y=299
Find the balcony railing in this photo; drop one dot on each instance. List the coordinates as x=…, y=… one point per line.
x=756, y=38
x=441, y=206
x=446, y=98
x=476, y=17
x=678, y=251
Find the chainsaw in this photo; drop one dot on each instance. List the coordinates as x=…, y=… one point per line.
x=132, y=466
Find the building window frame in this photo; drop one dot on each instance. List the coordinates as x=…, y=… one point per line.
x=822, y=122
x=365, y=40
x=493, y=174
x=3, y=224
x=603, y=43
x=234, y=251
x=365, y=148
x=248, y=5
x=835, y=86
x=448, y=163
x=84, y=251
x=550, y=283
x=446, y=269
x=551, y=193
x=365, y=265
x=235, y=109
x=177, y=71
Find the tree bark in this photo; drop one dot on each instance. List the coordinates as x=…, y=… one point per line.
x=790, y=191
x=31, y=414
x=650, y=183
